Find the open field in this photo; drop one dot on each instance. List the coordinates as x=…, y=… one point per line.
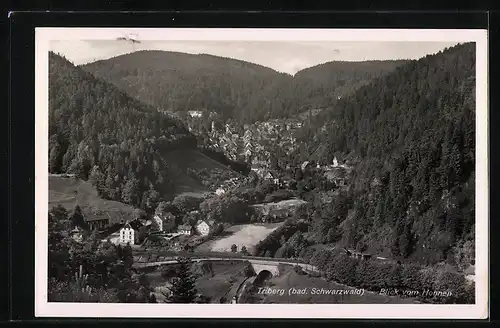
x=247, y=235
x=319, y=291
x=69, y=191
x=221, y=280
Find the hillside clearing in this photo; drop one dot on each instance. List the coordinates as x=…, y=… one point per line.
x=182, y=160
x=247, y=235
x=70, y=191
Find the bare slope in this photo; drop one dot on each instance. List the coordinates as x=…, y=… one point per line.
x=71, y=191
x=183, y=161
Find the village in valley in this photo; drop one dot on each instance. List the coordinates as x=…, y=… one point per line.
x=159, y=230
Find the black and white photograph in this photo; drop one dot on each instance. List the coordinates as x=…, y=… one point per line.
x=268, y=173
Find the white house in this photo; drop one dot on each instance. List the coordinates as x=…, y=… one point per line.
x=129, y=232
x=127, y=235
x=163, y=222
x=271, y=177
x=220, y=191
x=335, y=162
x=157, y=223
x=202, y=227
x=304, y=165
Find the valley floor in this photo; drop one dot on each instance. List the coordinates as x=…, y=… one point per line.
x=247, y=235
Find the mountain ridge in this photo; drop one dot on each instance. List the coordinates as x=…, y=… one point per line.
x=234, y=88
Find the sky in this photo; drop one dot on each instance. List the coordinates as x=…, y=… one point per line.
x=286, y=57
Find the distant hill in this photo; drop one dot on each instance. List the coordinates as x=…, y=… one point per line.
x=246, y=92
x=180, y=82
x=336, y=79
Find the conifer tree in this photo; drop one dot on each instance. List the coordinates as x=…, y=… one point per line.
x=77, y=219
x=183, y=289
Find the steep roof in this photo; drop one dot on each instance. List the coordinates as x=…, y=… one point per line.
x=135, y=224
x=96, y=217
x=201, y=221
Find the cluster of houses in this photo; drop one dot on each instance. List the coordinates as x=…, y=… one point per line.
x=357, y=255
x=128, y=232
x=274, y=132
x=336, y=172
x=251, y=143
x=227, y=185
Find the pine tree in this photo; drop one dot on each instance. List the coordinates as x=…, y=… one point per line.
x=406, y=241
x=77, y=219
x=96, y=178
x=183, y=289
x=130, y=193
x=152, y=198
x=110, y=184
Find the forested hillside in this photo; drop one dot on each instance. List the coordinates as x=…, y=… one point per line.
x=102, y=134
x=321, y=85
x=234, y=89
x=410, y=136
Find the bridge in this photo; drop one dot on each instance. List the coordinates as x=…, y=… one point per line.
x=259, y=265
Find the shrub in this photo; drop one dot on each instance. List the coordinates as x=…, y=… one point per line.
x=427, y=278
x=454, y=284
x=298, y=270
x=443, y=287
x=410, y=277
x=71, y=292
x=282, y=268
x=169, y=271
x=278, y=196
x=249, y=271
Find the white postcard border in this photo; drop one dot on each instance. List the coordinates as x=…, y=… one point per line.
x=365, y=311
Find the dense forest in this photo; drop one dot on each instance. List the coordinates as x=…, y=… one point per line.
x=320, y=86
x=234, y=89
x=410, y=136
x=99, y=133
